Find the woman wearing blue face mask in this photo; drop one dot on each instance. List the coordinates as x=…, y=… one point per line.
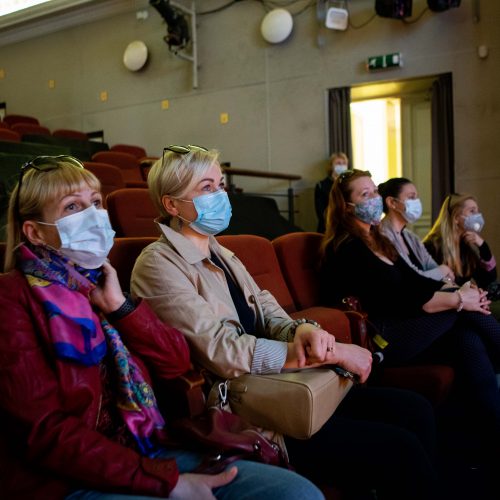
x=79, y=417
x=402, y=206
x=455, y=239
x=234, y=328
x=419, y=322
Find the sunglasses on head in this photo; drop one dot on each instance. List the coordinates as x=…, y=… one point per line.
x=347, y=174
x=182, y=150
x=43, y=164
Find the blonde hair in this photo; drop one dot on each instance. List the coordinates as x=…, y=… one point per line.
x=39, y=188
x=338, y=156
x=176, y=174
x=445, y=235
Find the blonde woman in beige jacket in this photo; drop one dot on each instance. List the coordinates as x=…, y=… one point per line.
x=234, y=327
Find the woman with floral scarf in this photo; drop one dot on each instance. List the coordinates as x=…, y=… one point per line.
x=78, y=414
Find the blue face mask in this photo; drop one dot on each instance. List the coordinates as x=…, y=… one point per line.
x=214, y=213
x=369, y=211
x=413, y=210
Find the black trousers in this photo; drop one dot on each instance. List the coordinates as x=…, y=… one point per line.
x=379, y=439
x=469, y=341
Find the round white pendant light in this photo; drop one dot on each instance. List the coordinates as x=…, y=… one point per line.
x=135, y=55
x=276, y=25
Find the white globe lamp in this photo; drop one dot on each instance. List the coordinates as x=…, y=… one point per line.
x=276, y=25
x=135, y=55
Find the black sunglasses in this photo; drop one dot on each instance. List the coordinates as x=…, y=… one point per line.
x=182, y=150
x=347, y=174
x=43, y=164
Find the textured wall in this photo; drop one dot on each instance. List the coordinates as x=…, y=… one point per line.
x=275, y=95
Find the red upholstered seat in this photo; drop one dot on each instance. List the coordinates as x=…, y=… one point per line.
x=70, y=134
x=13, y=119
x=30, y=129
x=132, y=212
x=111, y=177
x=258, y=256
x=137, y=151
x=9, y=135
x=124, y=254
x=297, y=254
x=129, y=165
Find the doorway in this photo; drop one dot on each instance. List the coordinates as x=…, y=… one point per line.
x=396, y=116
x=400, y=128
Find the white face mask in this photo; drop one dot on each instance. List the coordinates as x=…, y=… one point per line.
x=339, y=168
x=86, y=237
x=413, y=210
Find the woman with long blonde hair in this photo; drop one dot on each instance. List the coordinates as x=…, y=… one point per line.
x=455, y=240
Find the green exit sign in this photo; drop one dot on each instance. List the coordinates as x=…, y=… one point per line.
x=383, y=62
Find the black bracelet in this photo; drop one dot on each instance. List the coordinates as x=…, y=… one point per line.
x=126, y=308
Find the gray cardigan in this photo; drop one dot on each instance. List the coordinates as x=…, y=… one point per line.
x=429, y=265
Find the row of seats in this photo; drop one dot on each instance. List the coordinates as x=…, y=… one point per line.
x=286, y=267
x=132, y=214
x=15, y=128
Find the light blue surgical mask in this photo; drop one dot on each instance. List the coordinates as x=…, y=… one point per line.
x=474, y=222
x=413, y=210
x=214, y=213
x=340, y=168
x=369, y=211
x=86, y=237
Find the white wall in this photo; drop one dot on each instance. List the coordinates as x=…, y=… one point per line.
x=275, y=95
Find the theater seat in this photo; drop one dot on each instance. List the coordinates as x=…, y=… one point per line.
x=9, y=135
x=258, y=256
x=123, y=256
x=298, y=255
x=129, y=165
x=30, y=129
x=137, y=151
x=13, y=119
x=132, y=212
x=70, y=134
x=110, y=177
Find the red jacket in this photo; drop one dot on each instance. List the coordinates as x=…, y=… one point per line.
x=49, y=408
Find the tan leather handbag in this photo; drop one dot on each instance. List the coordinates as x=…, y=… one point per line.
x=296, y=404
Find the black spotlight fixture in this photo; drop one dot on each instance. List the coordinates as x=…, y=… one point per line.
x=394, y=9
x=442, y=5
x=177, y=36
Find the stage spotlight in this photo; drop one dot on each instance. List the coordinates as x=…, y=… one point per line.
x=177, y=36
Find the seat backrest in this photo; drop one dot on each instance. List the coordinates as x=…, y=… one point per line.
x=258, y=256
x=70, y=134
x=137, y=151
x=132, y=212
x=30, y=129
x=9, y=135
x=3, y=248
x=111, y=177
x=12, y=119
x=128, y=163
x=297, y=255
x=123, y=256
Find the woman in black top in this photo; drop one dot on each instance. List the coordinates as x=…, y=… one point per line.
x=418, y=319
x=456, y=241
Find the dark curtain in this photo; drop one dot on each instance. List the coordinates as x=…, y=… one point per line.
x=339, y=120
x=443, y=145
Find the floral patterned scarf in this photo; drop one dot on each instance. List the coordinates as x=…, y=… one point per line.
x=80, y=335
